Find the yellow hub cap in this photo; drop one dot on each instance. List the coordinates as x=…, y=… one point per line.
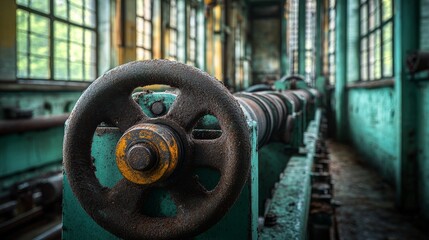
x=147, y=153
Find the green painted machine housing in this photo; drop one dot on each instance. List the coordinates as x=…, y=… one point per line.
x=79, y=225
x=28, y=154
x=241, y=222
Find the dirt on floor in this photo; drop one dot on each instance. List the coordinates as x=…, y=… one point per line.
x=367, y=209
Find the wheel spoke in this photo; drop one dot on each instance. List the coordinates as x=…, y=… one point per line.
x=126, y=113
x=210, y=153
x=127, y=195
x=186, y=111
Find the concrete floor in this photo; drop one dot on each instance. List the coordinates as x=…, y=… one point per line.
x=366, y=202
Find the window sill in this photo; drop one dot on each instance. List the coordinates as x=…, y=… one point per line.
x=372, y=84
x=43, y=85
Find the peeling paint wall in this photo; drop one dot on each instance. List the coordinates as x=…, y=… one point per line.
x=372, y=121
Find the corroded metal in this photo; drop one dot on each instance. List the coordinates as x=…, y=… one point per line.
x=108, y=99
x=147, y=153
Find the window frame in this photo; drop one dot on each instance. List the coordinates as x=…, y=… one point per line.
x=52, y=19
x=150, y=20
x=170, y=29
x=193, y=6
x=373, y=32
x=331, y=55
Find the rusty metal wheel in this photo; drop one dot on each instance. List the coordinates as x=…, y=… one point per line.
x=162, y=148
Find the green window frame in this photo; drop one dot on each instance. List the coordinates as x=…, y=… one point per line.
x=144, y=29
x=292, y=35
x=331, y=42
x=172, y=30
x=192, y=34
x=376, y=39
x=57, y=40
x=310, y=37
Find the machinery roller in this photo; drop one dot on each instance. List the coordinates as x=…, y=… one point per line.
x=161, y=152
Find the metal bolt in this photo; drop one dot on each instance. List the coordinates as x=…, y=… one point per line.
x=141, y=157
x=157, y=108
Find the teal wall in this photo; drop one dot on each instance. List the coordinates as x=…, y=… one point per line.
x=372, y=119
x=423, y=111
x=387, y=123
x=27, y=154
x=423, y=153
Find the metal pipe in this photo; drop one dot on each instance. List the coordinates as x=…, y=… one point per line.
x=275, y=112
x=25, y=125
x=52, y=233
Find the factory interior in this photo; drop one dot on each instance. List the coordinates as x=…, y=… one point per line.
x=214, y=119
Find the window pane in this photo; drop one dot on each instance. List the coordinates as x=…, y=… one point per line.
x=22, y=66
x=90, y=38
x=364, y=19
x=40, y=5
x=22, y=20
x=90, y=72
x=76, y=52
x=76, y=34
x=61, y=30
x=147, y=42
x=39, y=24
x=61, y=71
x=387, y=59
x=89, y=18
x=90, y=4
x=22, y=2
x=371, y=54
x=76, y=14
x=140, y=54
x=22, y=42
x=61, y=9
x=148, y=9
x=377, y=55
x=39, y=67
x=387, y=9
x=76, y=71
x=60, y=47
x=39, y=45
x=387, y=50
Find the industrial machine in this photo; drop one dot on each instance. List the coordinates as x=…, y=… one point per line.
x=191, y=162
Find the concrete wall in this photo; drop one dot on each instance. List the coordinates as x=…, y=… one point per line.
x=372, y=121
x=265, y=49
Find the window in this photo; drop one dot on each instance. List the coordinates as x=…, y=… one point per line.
x=172, y=31
x=56, y=40
x=310, y=31
x=192, y=37
x=239, y=55
x=144, y=29
x=293, y=35
x=331, y=42
x=376, y=39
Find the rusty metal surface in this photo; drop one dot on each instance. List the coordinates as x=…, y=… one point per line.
x=293, y=98
x=108, y=99
x=264, y=116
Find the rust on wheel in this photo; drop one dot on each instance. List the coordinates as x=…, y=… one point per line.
x=158, y=152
